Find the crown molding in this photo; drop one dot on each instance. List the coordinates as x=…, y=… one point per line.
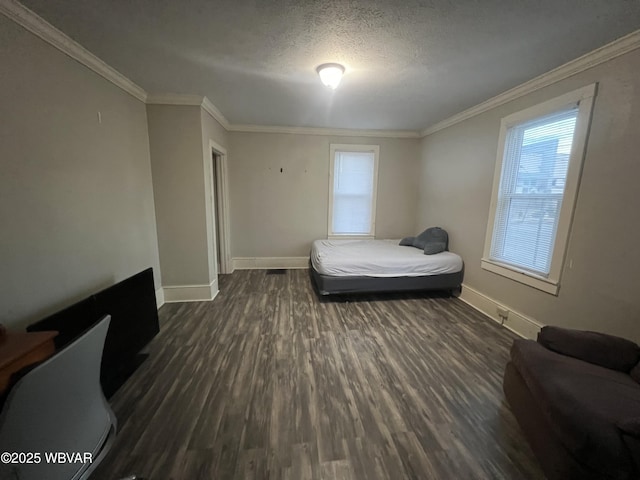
x=194, y=100
x=50, y=34
x=596, y=57
x=341, y=132
x=212, y=110
x=174, y=99
x=21, y=15
x=209, y=107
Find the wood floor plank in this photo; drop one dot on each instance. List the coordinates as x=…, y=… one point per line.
x=271, y=381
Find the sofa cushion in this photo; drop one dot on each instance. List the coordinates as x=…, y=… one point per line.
x=630, y=426
x=633, y=444
x=635, y=373
x=598, y=348
x=583, y=402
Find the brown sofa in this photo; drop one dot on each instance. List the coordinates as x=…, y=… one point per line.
x=576, y=396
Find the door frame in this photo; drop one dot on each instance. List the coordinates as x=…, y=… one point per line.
x=221, y=204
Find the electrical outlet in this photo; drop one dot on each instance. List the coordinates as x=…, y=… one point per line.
x=503, y=313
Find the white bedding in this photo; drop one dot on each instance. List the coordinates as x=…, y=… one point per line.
x=379, y=258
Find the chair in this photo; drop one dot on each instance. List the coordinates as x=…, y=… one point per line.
x=58, y=406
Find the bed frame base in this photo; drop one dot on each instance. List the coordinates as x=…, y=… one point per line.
x=329, y=285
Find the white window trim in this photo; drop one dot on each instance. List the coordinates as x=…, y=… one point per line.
x=340, y=147
x=551, y=284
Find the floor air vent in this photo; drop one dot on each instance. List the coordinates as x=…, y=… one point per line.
x=276, y=271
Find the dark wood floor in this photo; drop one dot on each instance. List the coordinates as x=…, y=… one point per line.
x=270, y=382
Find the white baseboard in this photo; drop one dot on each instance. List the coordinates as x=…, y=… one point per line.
x=159, y=297
x=191, y=293
x=258, y=263
x=518, y=323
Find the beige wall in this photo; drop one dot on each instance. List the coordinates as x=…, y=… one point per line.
x=279, y=214
x=175, y=139
x=76, y=200
x=600, y=291
x=181, y=163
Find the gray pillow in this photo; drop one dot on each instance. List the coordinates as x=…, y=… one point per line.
x=421, y=240
x=407, y=241
x=432, y=248
x=432, y=240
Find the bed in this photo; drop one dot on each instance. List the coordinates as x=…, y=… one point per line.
x=366, y=266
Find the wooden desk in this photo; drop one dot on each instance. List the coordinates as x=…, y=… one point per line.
x=18, y=350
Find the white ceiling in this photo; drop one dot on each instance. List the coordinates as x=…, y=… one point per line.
x=410, y=63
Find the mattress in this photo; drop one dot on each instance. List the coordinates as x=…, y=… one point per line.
x=379, y=258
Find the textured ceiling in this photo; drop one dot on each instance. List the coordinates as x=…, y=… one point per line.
x=410, y=63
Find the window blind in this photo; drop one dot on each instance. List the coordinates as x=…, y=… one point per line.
x=532, y=185
x=353, y=187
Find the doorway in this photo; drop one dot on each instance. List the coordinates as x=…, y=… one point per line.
x=220, y=209
x=215, y=157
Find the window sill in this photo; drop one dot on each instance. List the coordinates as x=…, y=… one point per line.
x=350, y=236
x=540, y=283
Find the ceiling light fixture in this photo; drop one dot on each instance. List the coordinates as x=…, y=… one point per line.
x=330, y=74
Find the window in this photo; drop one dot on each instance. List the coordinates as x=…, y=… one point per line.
x=353, y=180
x=540, y=153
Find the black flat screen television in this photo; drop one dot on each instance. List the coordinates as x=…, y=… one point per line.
x=134, y=322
